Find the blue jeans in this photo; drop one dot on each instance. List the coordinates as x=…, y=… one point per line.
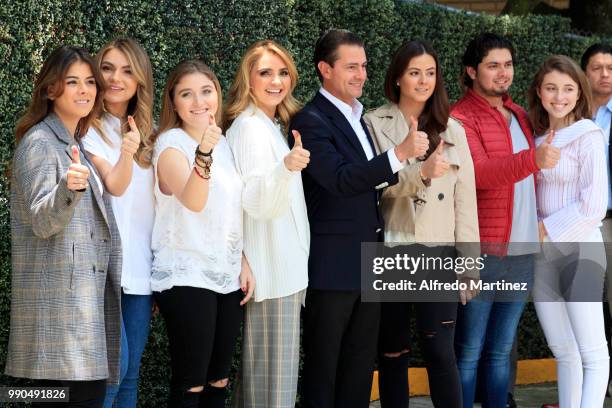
x=136, y=311
x=488, y=325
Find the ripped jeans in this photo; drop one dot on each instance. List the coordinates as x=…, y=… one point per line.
x=436, y=330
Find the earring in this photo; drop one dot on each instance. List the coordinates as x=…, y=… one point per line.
x=397, y=84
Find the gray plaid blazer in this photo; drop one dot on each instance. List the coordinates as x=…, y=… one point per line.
x=66, y=266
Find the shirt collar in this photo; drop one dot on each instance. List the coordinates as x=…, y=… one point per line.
x=351, y=112
x=602, y=112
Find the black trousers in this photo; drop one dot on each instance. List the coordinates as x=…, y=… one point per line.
x=202, y=328
x=82, y=394
x=436, y=333
x=340, y=340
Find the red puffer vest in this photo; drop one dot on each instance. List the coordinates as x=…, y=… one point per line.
x=496, y=167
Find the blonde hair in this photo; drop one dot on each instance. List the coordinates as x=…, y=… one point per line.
x=169, y=119
x=240, y=95
x=141, y=104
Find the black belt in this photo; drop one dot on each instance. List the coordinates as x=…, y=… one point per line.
x=609, y=214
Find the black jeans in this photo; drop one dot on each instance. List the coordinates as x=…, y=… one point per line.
x=202, y=328
x=82, y=394
x=436, y=333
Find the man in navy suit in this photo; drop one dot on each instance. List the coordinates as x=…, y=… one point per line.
x=340, y=184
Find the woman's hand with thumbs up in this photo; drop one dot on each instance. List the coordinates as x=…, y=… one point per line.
x=436, y=164
x=211, y=136
x=298, y=158
x=547, y=155
x=131, y=139
x=77, y=175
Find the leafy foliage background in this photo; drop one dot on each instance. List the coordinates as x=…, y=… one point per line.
x=218, y=32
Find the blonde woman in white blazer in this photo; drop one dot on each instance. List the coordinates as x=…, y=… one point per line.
x=276, y=231
x=572, y=199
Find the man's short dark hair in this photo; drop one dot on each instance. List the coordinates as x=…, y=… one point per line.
x=477, y=50
x=596, y=48
x=327, y=46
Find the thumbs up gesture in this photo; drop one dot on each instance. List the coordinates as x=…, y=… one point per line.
x=436, y=164
x=131, y=139
x=414, y=145
x=298, y=158
x=547, y=155
x=212, y=135
x=77, y=174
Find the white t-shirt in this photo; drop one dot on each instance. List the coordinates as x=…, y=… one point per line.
x=199, y=249
x=524, y=234
x=134, y=210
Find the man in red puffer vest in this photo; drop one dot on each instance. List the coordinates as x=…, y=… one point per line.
x=505, y=160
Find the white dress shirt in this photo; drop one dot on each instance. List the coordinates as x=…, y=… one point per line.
x=352, y=113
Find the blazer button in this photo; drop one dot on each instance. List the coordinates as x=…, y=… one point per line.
x=378, y=230
x=68, y=201
x=440, y=196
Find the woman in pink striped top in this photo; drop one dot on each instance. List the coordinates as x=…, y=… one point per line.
x=572, y=200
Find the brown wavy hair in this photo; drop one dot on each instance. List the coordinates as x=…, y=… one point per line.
x=52, y=74
x=240, y=95
x=564, y=65
x=141, y=104
x=169, y=119
x=434, y=118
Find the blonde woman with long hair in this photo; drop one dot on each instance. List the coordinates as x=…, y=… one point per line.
x=120, y=149
x=276, y=230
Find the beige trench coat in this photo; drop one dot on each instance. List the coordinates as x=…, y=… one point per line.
x=443, y=212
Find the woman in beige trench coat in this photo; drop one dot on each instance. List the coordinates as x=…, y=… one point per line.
x=434, y=201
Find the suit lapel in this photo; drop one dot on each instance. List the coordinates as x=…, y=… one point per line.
x=340, y=122
x=60, y=131
x=367, y=133
x=93, y=184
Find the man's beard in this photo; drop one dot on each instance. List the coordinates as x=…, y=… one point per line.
x=496, y=92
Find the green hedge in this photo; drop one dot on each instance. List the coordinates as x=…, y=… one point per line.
x=218, y=32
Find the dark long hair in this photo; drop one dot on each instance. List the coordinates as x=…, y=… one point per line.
x=434, y=118
x=53, y=73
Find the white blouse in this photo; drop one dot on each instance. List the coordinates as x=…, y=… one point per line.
x=134, y=210
x=199, y=249
x=276, y=230
x=572, y=197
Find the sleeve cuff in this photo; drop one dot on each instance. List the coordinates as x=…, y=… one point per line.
x=396, y=165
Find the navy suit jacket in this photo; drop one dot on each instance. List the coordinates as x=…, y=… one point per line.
x=341, y=196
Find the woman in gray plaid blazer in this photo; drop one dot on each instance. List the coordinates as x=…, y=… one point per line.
x=66, y=259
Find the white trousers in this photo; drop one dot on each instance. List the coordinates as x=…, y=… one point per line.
x=575, y=330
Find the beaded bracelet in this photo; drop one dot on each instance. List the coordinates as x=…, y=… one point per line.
x=202, y=176
x=198, y=152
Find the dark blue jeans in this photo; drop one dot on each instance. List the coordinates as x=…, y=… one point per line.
x=136, y=311
x=486, y=327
